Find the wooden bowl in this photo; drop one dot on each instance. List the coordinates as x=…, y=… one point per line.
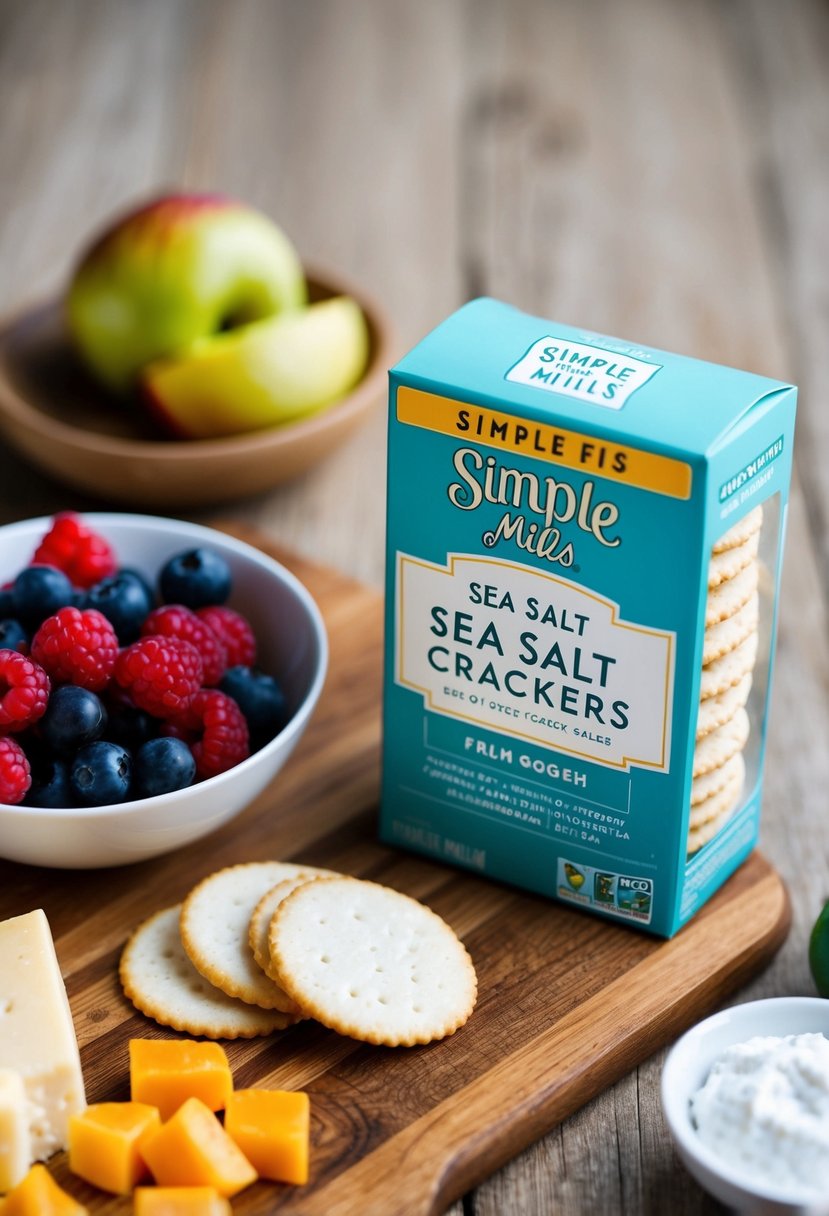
x=63, y=422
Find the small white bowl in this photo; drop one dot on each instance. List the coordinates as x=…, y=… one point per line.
x=686, y=1068
x=292, y=646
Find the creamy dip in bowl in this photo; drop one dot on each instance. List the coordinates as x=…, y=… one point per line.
x=746, y=1097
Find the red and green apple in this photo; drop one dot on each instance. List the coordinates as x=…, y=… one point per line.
x=177, y=270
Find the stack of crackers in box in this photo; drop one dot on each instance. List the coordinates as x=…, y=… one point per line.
x=258, y=946
x=728, y=657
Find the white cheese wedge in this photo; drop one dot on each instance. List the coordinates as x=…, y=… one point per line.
x=37, y=1038
x=15, y=1141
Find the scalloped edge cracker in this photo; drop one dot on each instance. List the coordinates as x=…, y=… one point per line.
x=729, y=668
x=729, y=562
x=716, y=711
x=260, y=925
x=723, y=799
x=738, y=533
x=728, y=739
x=161, y=982
x=215, y=921
x=371, y=963
x=697, y=837
x=714, y=780
x=727, y=635
x=729, y=596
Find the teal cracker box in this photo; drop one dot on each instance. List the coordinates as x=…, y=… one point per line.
x=584, y=551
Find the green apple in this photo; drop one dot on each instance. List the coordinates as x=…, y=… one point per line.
x=262, y=374
x=181, y=268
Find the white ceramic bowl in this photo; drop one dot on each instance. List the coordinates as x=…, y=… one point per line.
x=686, y=1069
x=292, y=646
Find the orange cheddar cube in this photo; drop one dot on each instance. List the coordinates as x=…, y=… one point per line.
x=193, y=1149
x=180, y=1201
x=39, y=1195
x=165, y=1072
x=105, y=1144
x=272, y=1128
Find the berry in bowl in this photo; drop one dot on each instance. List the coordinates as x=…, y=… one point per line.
x=154, y=677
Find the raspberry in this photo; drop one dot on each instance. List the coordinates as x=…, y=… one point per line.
x=24, y=692
x=15, y=774
x=236, y=633
x=76, y=550
x=222, y=730
x=161, y=674
x=176, y=621
x=77, y=646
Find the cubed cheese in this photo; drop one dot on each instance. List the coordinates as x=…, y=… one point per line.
x=37, y=1037
x=272, y=1128
x=39, y=1195
x=180, y=1201
x=15, y=1142
x=193, y=1149
x=165, y=1072
x=105, y=1144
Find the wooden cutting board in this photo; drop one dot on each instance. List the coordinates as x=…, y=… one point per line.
x=567, y=1004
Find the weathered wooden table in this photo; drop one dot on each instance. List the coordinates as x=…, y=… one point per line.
x=660, y=171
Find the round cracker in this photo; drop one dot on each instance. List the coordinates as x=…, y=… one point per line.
x=159, y=979
x=724, y=799
x=730, y=668
x=723, y=743
x=728, y=634
x=371, y=963
x=731, y=561
x=741, y=531
x=729, y=596
x=713, y=781
x=215, y=920
x=260, y=924
x=715, y=711
x=700, y=836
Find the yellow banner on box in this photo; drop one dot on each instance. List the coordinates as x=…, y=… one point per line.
x=544, y=441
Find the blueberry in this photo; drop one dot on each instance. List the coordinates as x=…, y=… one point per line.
x=13, y=636
x=6, y=601
x=196, y=578
x=100, y=774
x=163, y=765
x=260, y=699
x=143, y=580
x=50, y=784
x=129, y=725
x=39, y=591
x=73, y=718
x=125, y=599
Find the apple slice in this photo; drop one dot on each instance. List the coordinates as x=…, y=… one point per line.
x=260, y=375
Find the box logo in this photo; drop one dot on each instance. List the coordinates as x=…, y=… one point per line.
x=578, y=369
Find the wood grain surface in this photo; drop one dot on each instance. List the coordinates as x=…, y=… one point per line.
x=566, y=1003
x=654, y=170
